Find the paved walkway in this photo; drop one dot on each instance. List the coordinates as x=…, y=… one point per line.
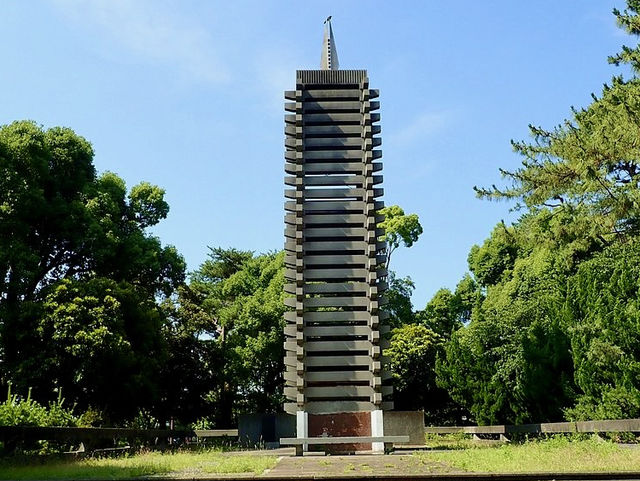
x=358, y=465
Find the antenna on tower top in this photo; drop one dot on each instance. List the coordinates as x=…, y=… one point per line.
x=329, y=60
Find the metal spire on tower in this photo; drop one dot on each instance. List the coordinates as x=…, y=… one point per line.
x=329, y=59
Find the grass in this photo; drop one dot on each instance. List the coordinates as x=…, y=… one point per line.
x=449, y=441
x=187, y=464
x=558, y=454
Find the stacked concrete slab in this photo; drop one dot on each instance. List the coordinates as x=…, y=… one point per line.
x=335, y=276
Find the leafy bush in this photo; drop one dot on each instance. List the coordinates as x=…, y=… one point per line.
x=20, y=411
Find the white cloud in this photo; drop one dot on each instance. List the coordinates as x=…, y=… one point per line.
x=420, y=127
x=153, y=31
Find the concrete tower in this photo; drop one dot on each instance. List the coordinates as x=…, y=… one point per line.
x=336, y=376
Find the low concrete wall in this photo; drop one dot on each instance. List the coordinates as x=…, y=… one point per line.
x=267, y=429
x=405, y=423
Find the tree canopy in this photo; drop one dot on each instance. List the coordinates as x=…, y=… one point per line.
x=79, y=273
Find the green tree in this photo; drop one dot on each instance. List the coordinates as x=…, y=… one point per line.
x=556, y=323
x=399, y=228
x=413, y=350
x=64, y=229
x=193, y=360
x=589, y=165
x=512, y=363
x=101, y=342
x=238, y=299
x=399, y=306
x=448, y=311
x=603, y=305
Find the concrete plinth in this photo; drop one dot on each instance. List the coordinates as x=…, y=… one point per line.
x=341, y=425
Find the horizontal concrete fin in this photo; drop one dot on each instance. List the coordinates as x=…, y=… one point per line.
x=324, y=105
x=311, y=232
x=335, y=274
x=338, y=246
x=337, y=391
x=334, y=180
x=330, y=346
x=290, y=231
x=328, y=274
x=290, y=218
x=333, y=206
x=290, y=361
x=291, y=155
x=336, y=316
x=332, y=193
x=291, y=408
x=339, y=218
x=291, y=374
x=333, y=154
x=326, y=361
x=338, y=376
x=336, y=301
x=290, y=397
x=290, y=180
x=290, y=392
x=343, y=331
x=319, y=331
x=312, y=260
x=333, y=130
x=335, y=142
x=330, y=407
x=331, y=93
x=290, y=316
x=313, y=219
x=332, y=167
x=290, y=205
x=332, y=118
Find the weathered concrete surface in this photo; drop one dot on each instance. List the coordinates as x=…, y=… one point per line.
x=411, y=423
x=341, y=425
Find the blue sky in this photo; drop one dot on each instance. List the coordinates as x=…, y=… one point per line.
x=189, y=95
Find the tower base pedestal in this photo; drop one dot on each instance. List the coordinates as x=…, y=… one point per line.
x=364, y=424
